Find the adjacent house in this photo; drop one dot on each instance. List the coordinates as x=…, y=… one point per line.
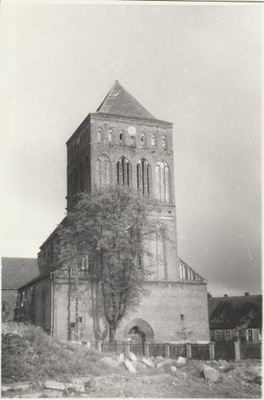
x=15, y=273
x=235, y=318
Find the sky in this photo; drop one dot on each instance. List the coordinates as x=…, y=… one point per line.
x=195, y=65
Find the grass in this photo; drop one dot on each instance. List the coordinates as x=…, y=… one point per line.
x=28, y=353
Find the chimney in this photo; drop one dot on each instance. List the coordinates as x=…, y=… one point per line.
x=225, y=295
x=246, y=293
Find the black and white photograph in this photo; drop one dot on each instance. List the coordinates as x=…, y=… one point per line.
x=131, y=199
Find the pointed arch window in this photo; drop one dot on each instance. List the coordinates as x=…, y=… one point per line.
x=153, y=141
x=144, y=177
x=143, y=140
x=121, y=136
x=103, y=168
x=163, y=182
x=99, y=134
x=164, y=143
x=123, y=170
x=110, y=135
x=161, y=260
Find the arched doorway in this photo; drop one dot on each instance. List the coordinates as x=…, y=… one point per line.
x=138, y=331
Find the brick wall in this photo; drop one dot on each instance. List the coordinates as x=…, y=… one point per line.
x=163, y=307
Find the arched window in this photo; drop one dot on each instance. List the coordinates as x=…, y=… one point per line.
x=161, y=263
x=144, y=177
x=164, y=142
x=153, y=141
x=81, y=181
x=143, y=140
x=163, y=182
x=103, y=171
x=99, y=134
x=110, y=135
x=121, y=136
x=123, y=170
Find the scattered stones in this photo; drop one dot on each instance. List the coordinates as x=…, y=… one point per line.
x=258, y=380
x=159, y=358
x=255, y=370
x=78, y=387
x=181, y=360
x=132, y=357
x=52, y=393
x=148, y=363
x=109, y=362
x=53, y=385
x=130, y=367
x=173, y=369
x=211, y=375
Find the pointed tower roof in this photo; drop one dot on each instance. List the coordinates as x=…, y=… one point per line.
x=119, y=102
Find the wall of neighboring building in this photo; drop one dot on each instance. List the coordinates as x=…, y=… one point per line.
x=174, y=311
x=251, y=335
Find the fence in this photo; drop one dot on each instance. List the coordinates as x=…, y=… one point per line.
x=209, y=351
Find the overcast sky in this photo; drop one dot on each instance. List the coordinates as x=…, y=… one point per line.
x=198, y=66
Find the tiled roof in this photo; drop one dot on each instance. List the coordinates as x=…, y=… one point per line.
x=119, y=102
x=235, y=311
x=16, y=272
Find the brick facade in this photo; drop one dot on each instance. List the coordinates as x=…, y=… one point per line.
x=123, y=144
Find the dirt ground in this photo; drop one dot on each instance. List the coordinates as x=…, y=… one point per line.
x=186, y=382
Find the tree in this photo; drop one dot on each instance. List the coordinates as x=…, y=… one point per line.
x=109, y=228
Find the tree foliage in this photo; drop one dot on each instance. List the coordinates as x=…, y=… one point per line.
x=108, y=228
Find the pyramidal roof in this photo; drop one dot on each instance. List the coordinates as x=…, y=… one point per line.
x=119, y=102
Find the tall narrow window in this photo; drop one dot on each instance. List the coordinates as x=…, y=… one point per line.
x=99, y=134
x=110, y=135
x=121, y=136
x=123, y=170
x=164, y=143
x=153, y=141
x=163, y=182
x=144, y=177
x=143, y=140
x=161, y=253
x=103, y=171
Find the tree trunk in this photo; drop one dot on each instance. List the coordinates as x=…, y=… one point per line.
x=112, y=332
x=69, y=304
x=77, y=306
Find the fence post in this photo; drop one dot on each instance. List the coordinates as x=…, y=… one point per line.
x=188, y=350
x=146, y=349
x=167, y=350
x=237, y=350
x=211, y=350
x=99, y=346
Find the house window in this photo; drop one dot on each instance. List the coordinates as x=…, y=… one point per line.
x=144, y=177
x=123, y=170
x=110, y=135
x=250, y=335
x=163, y=182
x=153, y=141
x=103, y=171
x=85, y=264
x=227, y=335
x=218, y=336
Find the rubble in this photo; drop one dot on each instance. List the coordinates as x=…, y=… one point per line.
x=211, y=375
x=130, y=367
x=148, y=363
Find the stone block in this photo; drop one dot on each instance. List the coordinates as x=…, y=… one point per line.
x=132, y=357
x=173, y=369
x=130, y=367
x=78, y=387
x=211, y=375
x=148, y=363
x=181, y=360
x=53, y=385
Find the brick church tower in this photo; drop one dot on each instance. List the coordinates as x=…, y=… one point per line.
x=123, y=144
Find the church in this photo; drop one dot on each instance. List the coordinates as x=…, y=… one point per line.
x=123, y=144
